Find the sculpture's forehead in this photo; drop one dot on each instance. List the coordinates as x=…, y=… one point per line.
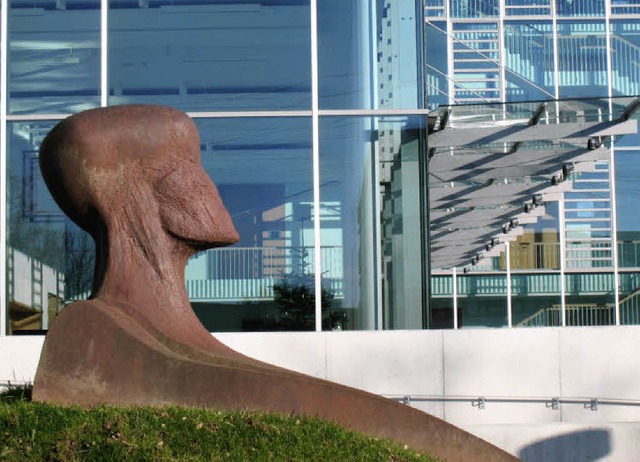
x=134, y=132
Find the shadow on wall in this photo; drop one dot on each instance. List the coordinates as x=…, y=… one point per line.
x=586, y=446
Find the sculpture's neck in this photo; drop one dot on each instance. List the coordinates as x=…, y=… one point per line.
x=143, y=275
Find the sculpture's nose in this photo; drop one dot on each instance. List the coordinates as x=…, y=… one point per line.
x=191, y=209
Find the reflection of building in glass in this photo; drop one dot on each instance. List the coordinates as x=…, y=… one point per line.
x=325, y=174
x=302, y=185
x=572, y=264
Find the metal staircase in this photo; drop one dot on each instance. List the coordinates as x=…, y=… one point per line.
x=590, y=314
x=486, y=67
x=477, y=74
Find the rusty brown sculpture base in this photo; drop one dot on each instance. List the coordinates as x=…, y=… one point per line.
x=139, y=369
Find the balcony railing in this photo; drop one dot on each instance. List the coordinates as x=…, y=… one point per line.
x=249, y=273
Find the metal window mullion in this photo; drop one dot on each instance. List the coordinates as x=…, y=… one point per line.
x=612, y=170
x=104, y=24
x=509, y=306
x=317, y=263
x=562, y=262
x=454, y=288
x=4, y=6
x=614, y=235
x=503, y=57
x=377, y=233
x=556, y=72
x=450, y=60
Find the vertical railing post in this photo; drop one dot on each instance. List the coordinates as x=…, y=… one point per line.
x=509, y=307
x=563, y=236
x=4, y=7
x=454, y=289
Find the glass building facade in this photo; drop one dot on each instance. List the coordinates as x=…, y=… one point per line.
x=314, y=124
x=312, y=118
x=576, y=263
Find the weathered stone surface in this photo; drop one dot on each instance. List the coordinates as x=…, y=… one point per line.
x=131, y=176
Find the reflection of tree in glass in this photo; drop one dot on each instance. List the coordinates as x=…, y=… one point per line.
x=58, y=244
x=294, y=297
x=42, y=241
x=79, y=263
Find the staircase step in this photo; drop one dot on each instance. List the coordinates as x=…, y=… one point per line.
x=467, y=50
x=487, y=70
x=476, y=79
x=475, y=90
x=478, y=40
x=476, y=31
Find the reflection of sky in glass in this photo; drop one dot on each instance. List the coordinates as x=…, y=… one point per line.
x=628, y=190
x=625, y=57
x=582, y=59
x=54, y=57
x=204, y=56
x=367, y=65
x=529, y=61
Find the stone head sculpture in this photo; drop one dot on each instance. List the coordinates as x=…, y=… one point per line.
x=131, y=177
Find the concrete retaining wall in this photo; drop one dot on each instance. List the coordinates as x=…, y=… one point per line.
x=543, y=394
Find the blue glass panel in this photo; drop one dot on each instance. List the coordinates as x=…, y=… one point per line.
x=368, y=63
x=535, y=300
x=476, y=68
x=347, y=217
x=587, y=195
x=350, y=181
x=528, y=7
x=482, y=300
x=628, y=220
x=210, y=55
x=441, y=302
x=263, y=170
x=626, y=7
x=437, y=65
x=434, y=8
x=529, y=67
x=589, y=299
x=54, y=57
x=587, y=205
x=588, y=214
x=578, y=8
x=49, y=259
x=630, y=297
x=578, y=185
x=474, y=8
x=625, y=56
x=582, y=59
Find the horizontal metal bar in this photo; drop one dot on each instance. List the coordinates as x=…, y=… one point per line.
x=234, y=114
x=372, y=112
x=36, y=117
x=513, y=399
x=252, y=114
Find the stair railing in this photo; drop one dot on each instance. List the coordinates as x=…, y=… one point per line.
x=492, y=60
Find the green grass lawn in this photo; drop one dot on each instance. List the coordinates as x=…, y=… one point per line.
x=40, y=432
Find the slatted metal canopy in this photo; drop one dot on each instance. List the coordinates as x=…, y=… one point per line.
x=492, y=167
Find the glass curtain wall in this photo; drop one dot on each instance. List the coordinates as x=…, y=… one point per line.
x=531, y=51
x=326, y=197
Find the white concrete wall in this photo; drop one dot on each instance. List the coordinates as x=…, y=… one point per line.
x=518, y=371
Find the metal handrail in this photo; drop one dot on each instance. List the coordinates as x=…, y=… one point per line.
x=496, y=62
x=552, y=402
